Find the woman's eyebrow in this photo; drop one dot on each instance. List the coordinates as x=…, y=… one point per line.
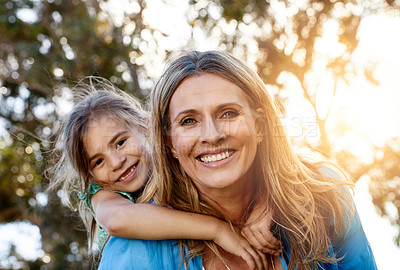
x=229, y=104
x=189, y=111
x=220, y=106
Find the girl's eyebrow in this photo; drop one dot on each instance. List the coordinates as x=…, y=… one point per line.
x=112, y=141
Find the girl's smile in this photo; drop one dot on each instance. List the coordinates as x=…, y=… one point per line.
x=128, y=175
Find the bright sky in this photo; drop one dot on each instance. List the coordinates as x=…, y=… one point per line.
x=373, y=110
x=378, y=112
x=378, y=230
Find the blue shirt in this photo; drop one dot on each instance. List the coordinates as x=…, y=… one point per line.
x=122, y=253
x=102, y=234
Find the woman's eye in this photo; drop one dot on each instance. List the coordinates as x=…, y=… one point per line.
x=121, y=142
x=187, y=122
x=98, y=162
x=230, y=114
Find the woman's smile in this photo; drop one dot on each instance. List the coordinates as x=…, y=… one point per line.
x=214, y=158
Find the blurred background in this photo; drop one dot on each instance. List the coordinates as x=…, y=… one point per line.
x=333, y=65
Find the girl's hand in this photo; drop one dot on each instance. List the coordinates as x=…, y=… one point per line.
x=257, y=231
x=232, y=242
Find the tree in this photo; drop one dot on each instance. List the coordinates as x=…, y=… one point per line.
x=46, y=47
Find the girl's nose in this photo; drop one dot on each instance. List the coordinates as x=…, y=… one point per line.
x=116, y=160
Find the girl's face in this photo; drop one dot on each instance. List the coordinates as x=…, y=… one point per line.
x=116, y=155
x=213, y=132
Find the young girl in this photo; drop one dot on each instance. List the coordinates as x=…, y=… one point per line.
x=104, y=157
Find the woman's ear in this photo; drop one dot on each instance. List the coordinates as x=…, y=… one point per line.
x=171, y=147
x=260, y=124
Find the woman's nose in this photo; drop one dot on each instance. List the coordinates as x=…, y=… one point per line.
x=210, y=132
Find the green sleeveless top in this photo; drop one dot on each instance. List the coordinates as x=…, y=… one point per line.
x=103, y=235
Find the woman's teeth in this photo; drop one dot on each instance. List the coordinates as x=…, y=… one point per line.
x=217, y=157
x=128, y=174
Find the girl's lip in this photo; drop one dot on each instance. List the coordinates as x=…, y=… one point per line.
x=128, y=174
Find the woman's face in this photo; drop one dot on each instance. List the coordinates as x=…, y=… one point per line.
x=213, y=132
x=116, y=155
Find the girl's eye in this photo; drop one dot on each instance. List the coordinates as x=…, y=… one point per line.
x=121, y=142
x=230, y=114
x=187, y=122
x=98, y=162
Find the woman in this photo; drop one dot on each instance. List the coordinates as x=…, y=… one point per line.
x=219, y=146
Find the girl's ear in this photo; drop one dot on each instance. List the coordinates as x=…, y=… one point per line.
x=260, y=125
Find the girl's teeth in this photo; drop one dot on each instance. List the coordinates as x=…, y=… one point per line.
x=131, y=170
x=218, y=157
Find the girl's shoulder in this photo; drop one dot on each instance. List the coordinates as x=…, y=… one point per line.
x=94, y=188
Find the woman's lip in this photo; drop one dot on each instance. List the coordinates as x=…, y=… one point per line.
x=128, y=174
x=213, y=164
x=214, y=152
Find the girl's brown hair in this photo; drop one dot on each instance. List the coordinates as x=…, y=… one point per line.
x=94, y=98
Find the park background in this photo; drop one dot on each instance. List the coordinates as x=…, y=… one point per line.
x=334, y=66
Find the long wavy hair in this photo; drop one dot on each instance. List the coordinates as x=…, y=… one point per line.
x=303, y=201
x=94, y=98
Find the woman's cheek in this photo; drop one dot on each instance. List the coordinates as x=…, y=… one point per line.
x=184, y=141
x=184, y=144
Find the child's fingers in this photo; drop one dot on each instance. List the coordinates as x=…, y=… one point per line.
x=249, y=255
x=263, y=259
x=266, y=242
x=258, y=258
x=258, y=241
x=248, y=258
x=250, y=237
x=263, y=228
x=273, y=252
x=270, y=238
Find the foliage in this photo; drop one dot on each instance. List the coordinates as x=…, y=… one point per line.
x=47, y=46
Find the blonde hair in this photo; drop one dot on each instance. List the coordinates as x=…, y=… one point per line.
x=94, y=98
x=300, y=196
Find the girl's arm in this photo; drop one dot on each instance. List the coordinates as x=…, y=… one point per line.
x=122, y=218
x=257, y=230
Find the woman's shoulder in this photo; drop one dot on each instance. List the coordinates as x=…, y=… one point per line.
x=331, y=171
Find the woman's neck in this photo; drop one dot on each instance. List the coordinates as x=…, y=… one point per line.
x=234, y=200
